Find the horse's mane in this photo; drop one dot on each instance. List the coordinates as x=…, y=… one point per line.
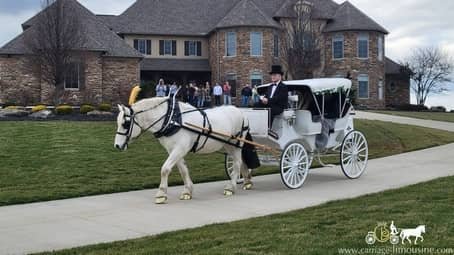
x=148, y=103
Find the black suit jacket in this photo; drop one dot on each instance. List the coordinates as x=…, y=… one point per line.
x=278, y=103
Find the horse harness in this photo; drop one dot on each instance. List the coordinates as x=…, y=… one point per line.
x=173, y=123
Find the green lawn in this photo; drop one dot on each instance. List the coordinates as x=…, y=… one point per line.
x=318, y=230
x=43, y=161
x=438, y=116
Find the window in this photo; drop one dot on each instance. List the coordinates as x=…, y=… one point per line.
x=363, y=86
x=256, y=79
x=168, y=47
x=338, y=47
x=381, y=48
x=143, y=46
x=256, y=44
x=193, y=48
x=363, y=46
x=276, y=46
x=73, y=76
x=230, y=44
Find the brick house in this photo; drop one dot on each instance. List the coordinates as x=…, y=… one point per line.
x=232, y=40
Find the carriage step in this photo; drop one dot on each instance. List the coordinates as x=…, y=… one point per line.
x=273, y=134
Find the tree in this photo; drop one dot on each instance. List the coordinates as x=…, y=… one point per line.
x=430, y=70
x=55, y=40
x=301, y=47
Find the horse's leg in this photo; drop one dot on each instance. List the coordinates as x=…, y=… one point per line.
x=230, y=187
x=174, y=157
x=247, y=176
x=188, y=185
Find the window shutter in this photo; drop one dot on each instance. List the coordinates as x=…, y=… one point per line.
x=136, y=44
x=161, y=47
x=186, y=48
x=199, y=49
x=174, y=48
x=148, y=47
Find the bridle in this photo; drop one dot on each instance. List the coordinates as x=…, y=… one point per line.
x=130, y=121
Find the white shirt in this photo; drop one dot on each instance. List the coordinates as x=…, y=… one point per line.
x=217, y=90
x=274, y=89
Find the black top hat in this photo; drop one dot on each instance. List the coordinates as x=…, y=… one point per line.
x=276, y=69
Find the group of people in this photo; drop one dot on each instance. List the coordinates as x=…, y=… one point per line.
x=206, y=96
x=202, y=96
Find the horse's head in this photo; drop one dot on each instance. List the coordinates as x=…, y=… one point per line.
x=127, y=128
x=423, y=228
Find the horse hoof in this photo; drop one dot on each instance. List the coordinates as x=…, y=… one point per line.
x=161, y=200
x=247, y=186
x=228, y=193
x=185, y=197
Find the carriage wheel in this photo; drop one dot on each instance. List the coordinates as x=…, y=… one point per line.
x=294, y=165
x=354, y=154
x=228, y=165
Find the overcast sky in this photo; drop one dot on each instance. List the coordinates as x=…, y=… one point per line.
x=412, y=23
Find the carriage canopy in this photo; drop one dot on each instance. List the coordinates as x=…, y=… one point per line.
x=318, y=86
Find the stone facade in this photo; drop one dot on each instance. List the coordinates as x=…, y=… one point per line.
x=351, y=64
x=103, y=80
x=397, y=90
x=243, y=65
x=17, y=83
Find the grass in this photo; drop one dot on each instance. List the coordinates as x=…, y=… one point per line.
x=438, y=116
x=42, y=161
x=318, y=230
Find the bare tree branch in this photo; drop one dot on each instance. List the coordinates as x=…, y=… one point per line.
x=54, y=40
x=430, y=70
x=301, y=47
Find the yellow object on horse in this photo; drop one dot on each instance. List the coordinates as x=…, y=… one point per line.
x=133, y=96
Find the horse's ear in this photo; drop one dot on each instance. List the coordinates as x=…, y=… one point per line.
x=120, y=108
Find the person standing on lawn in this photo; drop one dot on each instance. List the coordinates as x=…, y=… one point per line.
x=246, y=93
x=173, y=89
x=227, y=93
x=217, y=92
x=255, y=95
x=161, y=89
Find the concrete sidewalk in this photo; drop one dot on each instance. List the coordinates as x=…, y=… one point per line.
x=90, y=220
x=447, y=126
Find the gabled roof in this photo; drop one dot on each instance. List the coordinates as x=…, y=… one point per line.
x=98, y=36
x=246, y=13
x=173, y=17
x=321, y=9
x=392, y=67
x=348, y=17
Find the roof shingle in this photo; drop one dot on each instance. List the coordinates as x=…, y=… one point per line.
x=348, y=17
x=98, y=36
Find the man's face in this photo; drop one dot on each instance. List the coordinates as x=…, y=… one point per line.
x=275, y=77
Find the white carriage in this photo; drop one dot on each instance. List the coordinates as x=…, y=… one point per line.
x=318, y=122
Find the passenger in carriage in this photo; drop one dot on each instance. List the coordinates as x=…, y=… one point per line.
x=277, y=96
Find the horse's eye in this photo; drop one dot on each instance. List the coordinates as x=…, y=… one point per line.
x=127, y=125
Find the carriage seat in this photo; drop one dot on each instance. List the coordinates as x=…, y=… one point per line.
x=304, y=124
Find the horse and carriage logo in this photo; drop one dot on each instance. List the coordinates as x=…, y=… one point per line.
x=382, y=234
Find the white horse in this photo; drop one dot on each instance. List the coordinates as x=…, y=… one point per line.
x=405, y=234
x=148, y=115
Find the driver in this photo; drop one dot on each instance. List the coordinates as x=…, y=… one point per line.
x=277, y=96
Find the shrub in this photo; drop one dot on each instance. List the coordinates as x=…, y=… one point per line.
x=12, y=107
x=84, y=109
x=105, y=107
x=6, y=104
x=411, y=108
x=438, y=109
x=63, y=110
x=39, y=108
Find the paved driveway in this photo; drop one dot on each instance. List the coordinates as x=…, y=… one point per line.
x=447, y=126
